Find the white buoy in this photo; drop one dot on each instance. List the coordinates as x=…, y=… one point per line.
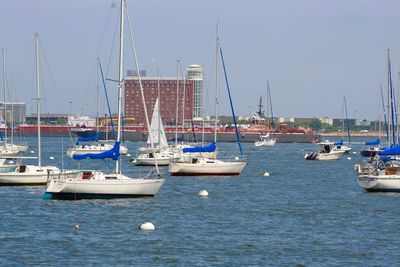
x=349, y=158
x=203, y=193
x=128, y=155
x=147, y=226
x=266, y=174
x=77, y=226
x=236, y=158
x=11, y=162
x=52, y=158
x=354, y=152
x=32, y=152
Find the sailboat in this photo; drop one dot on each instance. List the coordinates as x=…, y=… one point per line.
x=161, y=152
x=23, y=174
x=91, y=143
x=98, y=184
x=266, y=140
x=8, y=149
x=372, y=148
x=382, y=173
x=204, y=166
x=340, y=146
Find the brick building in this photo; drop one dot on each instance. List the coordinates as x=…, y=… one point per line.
x=191, y=85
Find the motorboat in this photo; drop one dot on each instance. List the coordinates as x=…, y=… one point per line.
x=265, y=140
x=326, y=152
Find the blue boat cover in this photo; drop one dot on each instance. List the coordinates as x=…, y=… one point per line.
x=89, y=138
x=340, y=143
x=393, y=150
x=112, y=154
x=373, y=143
x=1, y=136
x=210, y=148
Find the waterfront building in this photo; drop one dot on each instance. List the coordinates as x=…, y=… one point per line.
x=14, y=112
x=192, y=84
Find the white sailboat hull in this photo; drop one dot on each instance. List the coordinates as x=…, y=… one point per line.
x=16, y=148
x=94, y=149
x=145, y=160
x=270, y=142
x=32, y=175
x=80, y=185
x=206, y=167
x=384, y=183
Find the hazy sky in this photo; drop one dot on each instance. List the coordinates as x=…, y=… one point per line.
x=312, y=51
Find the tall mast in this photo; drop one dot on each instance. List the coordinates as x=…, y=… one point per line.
x=141, y=90
x=4, y=104
x=97, y=96
x=183, y=102
x=177, y=102
x=38, y=98
x=159, y=107
x=216, y=84
x=120, y=78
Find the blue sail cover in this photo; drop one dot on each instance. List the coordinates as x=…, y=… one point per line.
x=89, y=138
x=1, y=136
x=340, y=143
x=394, y=150
x=373, y=143
x=210, y=148
x=111, y=154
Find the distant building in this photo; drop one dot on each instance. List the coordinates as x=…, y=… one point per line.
x=191, y=84
x=48, y=119
x=14, y=112
x=340, y=122
x=81, y=121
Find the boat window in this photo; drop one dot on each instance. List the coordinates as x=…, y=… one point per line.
x=194, y=160
x=86, y=175
x=22, y=168
x=111, y=177
x=327, y=149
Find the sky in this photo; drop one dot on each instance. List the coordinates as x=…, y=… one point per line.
x=312, y=52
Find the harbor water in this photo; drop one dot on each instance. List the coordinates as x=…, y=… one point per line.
x=307, y=213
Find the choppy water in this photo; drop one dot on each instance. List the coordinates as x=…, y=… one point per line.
x=306, y=212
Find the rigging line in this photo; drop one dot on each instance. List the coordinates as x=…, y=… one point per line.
x=270, y=106
x=108, y=103
x=51, y=77
x=347, y=119
x=112, y=47
x=230, y=100
x=141, y=86
x=384, y=115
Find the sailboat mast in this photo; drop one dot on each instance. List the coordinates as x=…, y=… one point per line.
x=38, y=98
x=4, y=87
x=216, y=84
x=141, y=89
x=159, y=107
x=120, y=78
x=347, y=119
x=97, y=95
x=177, y=102
x=183, y=103
x=270, y=105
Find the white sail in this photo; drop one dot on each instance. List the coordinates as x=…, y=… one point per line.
x=157, y=129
